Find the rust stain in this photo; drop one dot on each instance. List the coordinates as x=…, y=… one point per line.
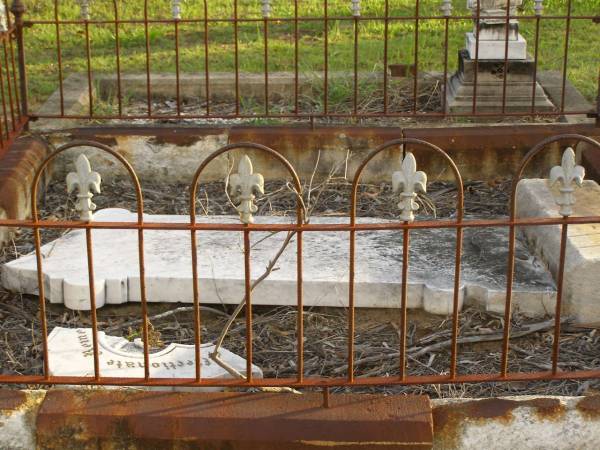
x=590, y=406
x=131, y=419
x=11, y=400
x=449, y=419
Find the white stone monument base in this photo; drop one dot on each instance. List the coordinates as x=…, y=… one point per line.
x=581, y=297
x=495, y=49
x=70, y=354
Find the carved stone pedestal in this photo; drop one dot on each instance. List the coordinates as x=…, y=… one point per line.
x=490, y=87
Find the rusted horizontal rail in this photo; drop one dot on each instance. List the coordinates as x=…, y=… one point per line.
x=307, y=382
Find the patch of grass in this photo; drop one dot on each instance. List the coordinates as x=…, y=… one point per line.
x=583, y=61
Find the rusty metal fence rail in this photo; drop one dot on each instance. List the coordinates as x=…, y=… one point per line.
x=200, y=14
x=459, y=223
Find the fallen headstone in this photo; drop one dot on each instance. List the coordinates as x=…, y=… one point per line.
x=70, y=353
x=325, y=258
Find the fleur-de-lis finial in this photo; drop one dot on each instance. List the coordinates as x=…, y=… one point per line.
x=538, y=7
x=266, y=8
x=356, y=8
x=176, y=9
x=568, y=175
x=410, y=182
x=446, y=8
x=85, y=9
x=243, y=185
x=85, y=181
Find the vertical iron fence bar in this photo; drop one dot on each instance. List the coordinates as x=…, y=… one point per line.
x=326, y=56
x=148, y=76
x=416, y=59
x=352, y=269
x=300, y=298
x=455, y=302
x=559, y=296
x=476, y=73
x=144, y=300
x=248, y=290
x=13, y=64
x=266, y=61
x=386, y=36
x=566, y=55
x=296, y=59
x=355, y=89
x=403, y=301
x=93, y=312
x=505, y=70
x=508, y=302
x=88, y=56
x=18, y=9
x=42, y=298
x=9, y=86
x=535, y=62
x=177, y=68
x=195, y=289
x=236, y=56
x=59, y=60
x=206, y=71
x=4, y=109
x=446, y=39
x=118, y=58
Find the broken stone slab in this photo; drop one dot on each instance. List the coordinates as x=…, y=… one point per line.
x=325, y=275
x=70, y=354
x=535, y=198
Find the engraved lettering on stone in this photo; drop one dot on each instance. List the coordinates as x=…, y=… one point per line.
x=568, y=176
x=242, y=186
x=86, y=182
x=409, y=181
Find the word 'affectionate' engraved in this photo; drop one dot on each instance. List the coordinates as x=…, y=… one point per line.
x=410, y=182
x=85, y=181
x=243, y=185
x=567, y=175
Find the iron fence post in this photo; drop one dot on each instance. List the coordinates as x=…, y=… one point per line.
x=18, y=9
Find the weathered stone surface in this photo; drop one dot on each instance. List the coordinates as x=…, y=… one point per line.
x=221, y=267
x=525, y=422
x=582, y=270
x=496, y=49
x=71, y=354
x=18, y=411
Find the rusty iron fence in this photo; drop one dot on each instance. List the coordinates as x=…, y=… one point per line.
x=459, y=223
x=13, y=112
x=199, y=15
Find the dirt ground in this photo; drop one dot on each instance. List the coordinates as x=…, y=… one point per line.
x=377, y=339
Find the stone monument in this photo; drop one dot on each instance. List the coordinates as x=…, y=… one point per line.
x=485, y=51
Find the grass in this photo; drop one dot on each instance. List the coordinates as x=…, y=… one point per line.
x=584, y=45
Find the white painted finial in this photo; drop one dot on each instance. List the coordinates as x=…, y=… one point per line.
x=86, y=182
x=243, y=185
x=568, y=175
x=356, y=8
x=266, y=8
x=176, y=9
x=410, y=182
x=85, y=9
x=446, y=8
x=3, y=18
x=538, y=7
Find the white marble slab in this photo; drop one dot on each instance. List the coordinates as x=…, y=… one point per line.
x=221, y=267
x=496, y=49
x=70, y=353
